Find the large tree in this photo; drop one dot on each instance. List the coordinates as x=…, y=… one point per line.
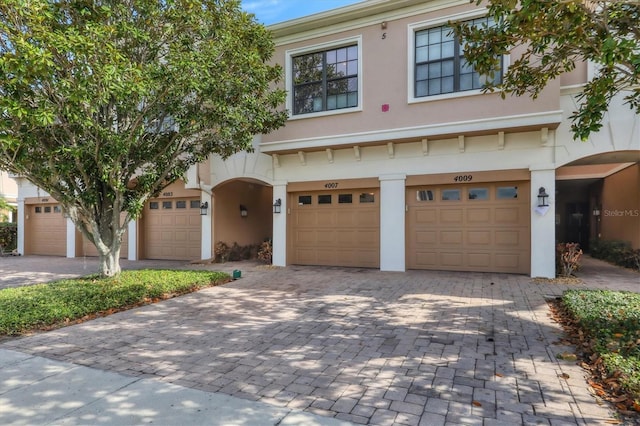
x=554, y=35
x=104, y=103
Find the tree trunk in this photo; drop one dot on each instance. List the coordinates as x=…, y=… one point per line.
x=110, y=262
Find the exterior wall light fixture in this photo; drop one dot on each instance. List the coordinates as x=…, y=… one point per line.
x=203, y=208
x=277, y=206
x=243, y=211
x=542, y=197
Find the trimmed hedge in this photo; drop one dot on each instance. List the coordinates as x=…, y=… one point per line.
x=8, y=236
x=617, y=252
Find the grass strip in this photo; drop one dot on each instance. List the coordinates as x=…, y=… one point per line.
x=43, y=306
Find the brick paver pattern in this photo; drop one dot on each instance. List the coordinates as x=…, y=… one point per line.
x=421, y=347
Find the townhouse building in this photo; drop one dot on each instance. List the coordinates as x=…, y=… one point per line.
x=392, y=158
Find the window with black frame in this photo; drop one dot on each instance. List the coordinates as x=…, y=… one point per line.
x=440, y=66
x=326, y=80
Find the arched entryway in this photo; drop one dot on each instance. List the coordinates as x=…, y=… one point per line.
x=242, y=213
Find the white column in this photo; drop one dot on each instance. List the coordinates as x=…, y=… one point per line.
x=543, y=224
x=392, y=222
x=71, y=238
x=22, y=218
x=207, y=224
x=280, y=225
x=132, y=240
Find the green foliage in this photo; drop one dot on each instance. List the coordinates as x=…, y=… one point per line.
x=44, y=305
x=8, y=236
x=103, y=104
x=612, y=319
x=4, y=207
x=617, y=252
x=554, y=35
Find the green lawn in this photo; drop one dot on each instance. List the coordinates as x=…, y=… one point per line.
x=42, y=306
x=611, y=320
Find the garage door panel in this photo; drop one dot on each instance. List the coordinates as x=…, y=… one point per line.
x=451, y=237
x=304, y=218
x=181, y=221
x=487, y=232
x=449, y=216
x=451, y=259
x=306, y=255
x=479, y=238
x=479, y=260
x=426, y=217
x=426, y=237
x=326, y=237
x=366, y=237
x=507, y=260
x=478, y=215
x=426, y=259
x=345, y=219
x=326, y=219
x=368, y=218
x=510, y=215
x=334, y=233
x=508, y=238
x=303, y=238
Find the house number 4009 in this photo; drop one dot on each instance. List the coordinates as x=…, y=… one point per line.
x=463, y=178
x=331, y=185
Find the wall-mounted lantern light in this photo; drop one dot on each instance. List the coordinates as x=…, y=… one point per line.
x=277, y=206
x=542, y=197
x=203, y=208
x=243, y=211
x=596, y=212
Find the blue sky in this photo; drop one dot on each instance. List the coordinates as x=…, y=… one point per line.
x=273, y=11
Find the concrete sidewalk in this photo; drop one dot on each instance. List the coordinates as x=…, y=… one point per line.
x=39, y=391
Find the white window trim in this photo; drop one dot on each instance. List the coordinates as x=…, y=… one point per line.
x=411, y=66
x=288, y=57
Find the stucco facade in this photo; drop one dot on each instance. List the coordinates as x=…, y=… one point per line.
x=396, y=179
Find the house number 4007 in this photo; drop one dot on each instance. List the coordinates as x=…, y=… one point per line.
x=331, y=185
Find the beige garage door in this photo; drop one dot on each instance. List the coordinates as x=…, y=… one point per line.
x=46, y=230
x=172, y=229
x=469, y=227
x=335, y=228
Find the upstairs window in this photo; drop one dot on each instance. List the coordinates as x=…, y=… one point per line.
x=440, y=66
x=325, y=80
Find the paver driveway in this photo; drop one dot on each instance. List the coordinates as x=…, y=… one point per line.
x=361, y=345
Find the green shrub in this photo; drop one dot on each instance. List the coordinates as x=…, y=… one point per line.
x=617, y=252
x=8, y=236
x=612, y=320
x=46, y=305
